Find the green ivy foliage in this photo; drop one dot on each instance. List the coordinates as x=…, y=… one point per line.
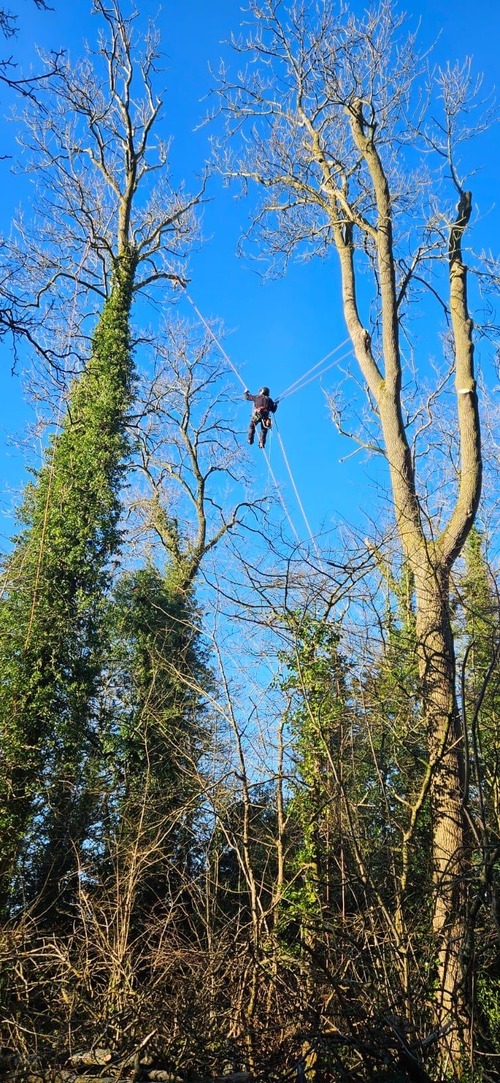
x=358, y=760
x=51, y=614
x=478, y=632
x=319, y=721
x=156, y=672
x=154, y=733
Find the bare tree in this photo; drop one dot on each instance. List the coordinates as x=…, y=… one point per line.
x=10, y=77
x=103, y=191
x=188, y=452
x=11, y=80
x=333, y=110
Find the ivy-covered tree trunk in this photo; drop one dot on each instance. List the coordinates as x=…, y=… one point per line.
x=154, y=734
x=156, y=711
x=51, y=615
x=93, y=151
x=316, y=680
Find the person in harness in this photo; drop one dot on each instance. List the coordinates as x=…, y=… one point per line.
x=263, y=407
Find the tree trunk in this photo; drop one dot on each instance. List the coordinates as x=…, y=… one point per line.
x=446, y=756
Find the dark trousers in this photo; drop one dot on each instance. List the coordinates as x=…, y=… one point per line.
x=257, y=419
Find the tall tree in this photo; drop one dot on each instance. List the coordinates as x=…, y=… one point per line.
x=141, y=844
x=51, y=613
x=95, y=153
x=331, y=110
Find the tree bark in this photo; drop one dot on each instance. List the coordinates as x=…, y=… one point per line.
x=446, y=757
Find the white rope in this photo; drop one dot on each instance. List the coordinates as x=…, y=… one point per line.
x=216, y=340
x=297, y=497
x=268, y=461
x=280, y=494
x=323, y=372
x=296, y=386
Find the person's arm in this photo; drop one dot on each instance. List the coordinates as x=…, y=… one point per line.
x=248, y=396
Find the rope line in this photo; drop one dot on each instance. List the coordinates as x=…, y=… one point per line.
x=266, y=456
x=281, y=497
x=216, y=340
x=296, y=384
x=297, y=497
x=318, y=375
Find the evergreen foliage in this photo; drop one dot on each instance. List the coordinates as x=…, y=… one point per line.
x=478, y=607
x=157, y=679
x=322, y=726
x=51, y=614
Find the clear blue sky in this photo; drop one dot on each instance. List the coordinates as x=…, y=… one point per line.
x=278, y=329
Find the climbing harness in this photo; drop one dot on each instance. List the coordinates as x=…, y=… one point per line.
x=259, y=417
x=262, y=414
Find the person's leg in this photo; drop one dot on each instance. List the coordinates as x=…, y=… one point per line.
x=251, y=431
x=263, y=434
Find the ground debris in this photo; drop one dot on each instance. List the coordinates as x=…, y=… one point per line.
x=100, y=1057
x=91, y=1057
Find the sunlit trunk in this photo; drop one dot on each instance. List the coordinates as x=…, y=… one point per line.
x=449, y=842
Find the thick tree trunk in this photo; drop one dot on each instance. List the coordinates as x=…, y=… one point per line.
x=449, y=841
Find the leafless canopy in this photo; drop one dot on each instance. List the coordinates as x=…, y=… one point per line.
x=187, y=444
x=103, y=184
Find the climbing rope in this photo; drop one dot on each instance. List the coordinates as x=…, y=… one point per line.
x=297, y=497
x=318, y=375
x=302, y=381
x=281, y=497
x=215, y=339
x=266, y=456
x=297, y=385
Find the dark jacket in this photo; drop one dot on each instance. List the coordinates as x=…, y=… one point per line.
x=263, y=404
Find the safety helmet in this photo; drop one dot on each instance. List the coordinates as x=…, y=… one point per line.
x=264, y=391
